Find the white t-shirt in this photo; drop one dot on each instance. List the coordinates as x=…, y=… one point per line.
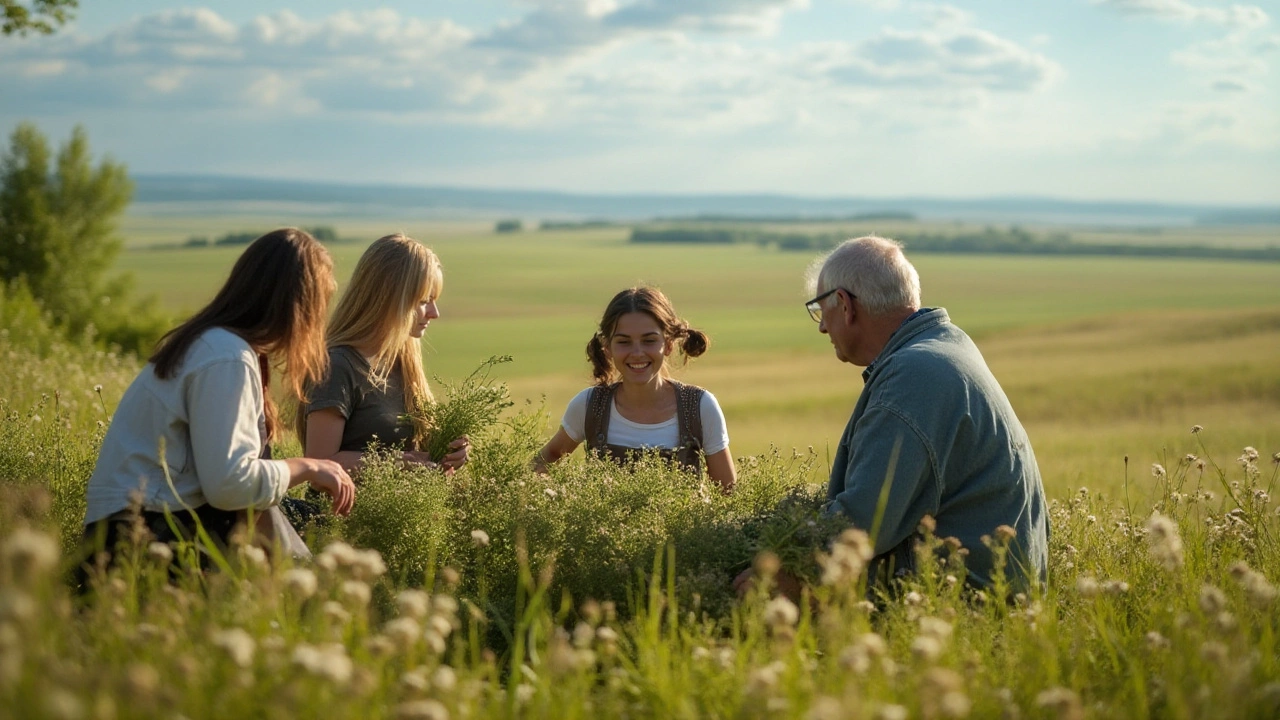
x=666, y=434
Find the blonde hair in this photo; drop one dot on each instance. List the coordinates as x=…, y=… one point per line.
x=377, y=310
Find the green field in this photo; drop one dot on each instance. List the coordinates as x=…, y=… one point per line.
x=1102, y=357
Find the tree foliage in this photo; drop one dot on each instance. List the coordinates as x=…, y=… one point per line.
x=58, y=219
x=41, y=16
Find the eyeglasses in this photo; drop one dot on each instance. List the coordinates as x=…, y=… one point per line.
x=814, y=306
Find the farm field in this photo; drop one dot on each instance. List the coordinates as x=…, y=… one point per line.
x=1102, y=357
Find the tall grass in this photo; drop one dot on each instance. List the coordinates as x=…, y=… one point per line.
x=595, y=591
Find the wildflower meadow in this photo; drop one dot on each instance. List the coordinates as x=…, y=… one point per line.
x=596, y=591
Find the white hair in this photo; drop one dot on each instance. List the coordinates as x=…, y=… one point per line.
x=873, y=269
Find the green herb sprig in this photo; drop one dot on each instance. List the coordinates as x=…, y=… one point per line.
x=470, y=406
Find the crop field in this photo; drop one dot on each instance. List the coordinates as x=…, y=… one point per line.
x=1103, y=357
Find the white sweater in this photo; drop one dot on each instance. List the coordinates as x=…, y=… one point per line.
x=208, y=416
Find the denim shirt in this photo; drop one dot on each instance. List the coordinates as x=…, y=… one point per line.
x=933, y=422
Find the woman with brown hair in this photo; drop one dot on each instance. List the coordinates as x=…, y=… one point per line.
x=635, y=405
x=375, y=356
x=190, y=436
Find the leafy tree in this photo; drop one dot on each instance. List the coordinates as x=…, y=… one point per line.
x=57, y=235
x=41, y=16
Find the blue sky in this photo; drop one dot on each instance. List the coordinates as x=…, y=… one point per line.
x=1167, y=100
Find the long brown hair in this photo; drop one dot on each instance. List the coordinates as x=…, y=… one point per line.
x=650, y=301
x=276, y=298
x=377, y=309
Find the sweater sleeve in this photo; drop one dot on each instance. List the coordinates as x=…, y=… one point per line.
x=885, y=448
x=224, y=402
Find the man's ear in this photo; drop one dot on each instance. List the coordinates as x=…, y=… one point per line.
x=846, y=300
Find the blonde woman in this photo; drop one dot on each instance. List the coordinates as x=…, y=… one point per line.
x=189, y=439
x=375, y=359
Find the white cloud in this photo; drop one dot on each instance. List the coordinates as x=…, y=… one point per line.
x=1240, y=16
x=951, y=58
x=1238, y=54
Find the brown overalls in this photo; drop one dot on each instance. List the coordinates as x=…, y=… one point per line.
x=688, y=417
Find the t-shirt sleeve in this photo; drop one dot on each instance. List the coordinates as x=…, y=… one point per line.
x=715, y=433
x=574, y=421
x=337, y=390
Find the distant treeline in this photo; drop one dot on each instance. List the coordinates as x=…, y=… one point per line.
x=575, y=224
x=323, y=233
x=895, y=215
x=994, y=241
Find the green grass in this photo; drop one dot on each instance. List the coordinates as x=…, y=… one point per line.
x=1107, y=361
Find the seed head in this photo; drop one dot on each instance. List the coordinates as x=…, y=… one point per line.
x=160, y=552
x=30, y=553
x=1115, y=587
x=1005, y=534
x=236, y=643
x=402, y=631
x=1156, y=641
x=367, y=565
x=480, y=538
x=1164, y=542
x=1257, y=589
x=421, y=710
x=848, y=559
x=1157, y=471
x=327, y=661
x=1062, y=702
x=892, y=712
x=1212, y=600
x=413, y=603
x=781, y=613
x=300, y=582
x=1195, y=429
x=335, y=556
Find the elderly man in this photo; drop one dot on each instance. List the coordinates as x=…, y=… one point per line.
x=931, y=424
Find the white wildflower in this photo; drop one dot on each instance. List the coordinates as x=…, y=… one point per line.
x=781, y=612
x=413, y=603
x=1164, y=542
x=30, y=554
x=421, y=710
x=300, y=582
x=1062, y=702
x=356, y=592
x=328, y=661
x=160, y=552
x=237, y=643
x=849, y=556
x=480, y=538
x=1212, y=600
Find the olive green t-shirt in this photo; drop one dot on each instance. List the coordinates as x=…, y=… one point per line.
x=371, y=413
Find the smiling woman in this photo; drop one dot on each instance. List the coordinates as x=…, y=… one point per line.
x=635, y=406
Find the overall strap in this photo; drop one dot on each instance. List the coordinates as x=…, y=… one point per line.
x=595, y=430
x=689, y=419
